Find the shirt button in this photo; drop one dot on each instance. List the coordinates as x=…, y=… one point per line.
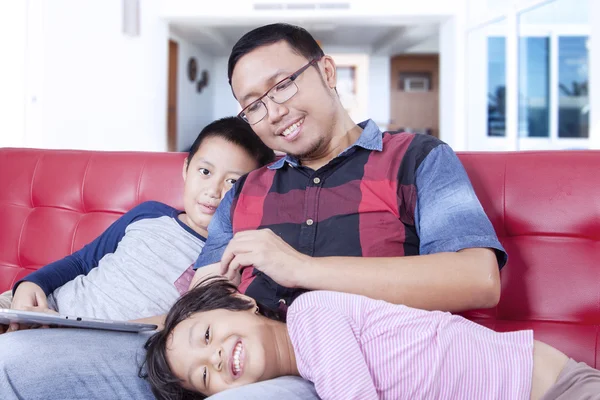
x=316, y=181
x=309, y=222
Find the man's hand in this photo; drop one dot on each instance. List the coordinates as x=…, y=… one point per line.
x=28, y=297
x=267, y=252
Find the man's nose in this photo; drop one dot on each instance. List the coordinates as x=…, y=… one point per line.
x=275, y=111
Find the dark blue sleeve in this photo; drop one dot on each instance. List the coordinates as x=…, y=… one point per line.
x=220, y=232
x=449, y=216
x=56, y=274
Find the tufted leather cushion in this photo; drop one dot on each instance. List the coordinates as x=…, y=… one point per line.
x=545, y=207
x=54, y=202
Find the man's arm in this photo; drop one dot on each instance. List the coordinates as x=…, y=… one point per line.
x=456, y=270
x=454, y=282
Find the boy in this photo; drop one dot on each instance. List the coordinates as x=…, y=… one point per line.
x=133, y=268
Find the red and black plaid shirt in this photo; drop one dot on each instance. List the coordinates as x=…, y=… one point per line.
x=362, y=203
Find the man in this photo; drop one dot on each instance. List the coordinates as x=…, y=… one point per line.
x=390, y=216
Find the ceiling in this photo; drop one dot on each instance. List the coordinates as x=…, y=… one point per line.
x=375, y=39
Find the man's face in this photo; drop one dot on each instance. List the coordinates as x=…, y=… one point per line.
x=303, y=125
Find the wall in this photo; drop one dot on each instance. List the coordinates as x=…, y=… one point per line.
x=13, y=28
x=379, y=91
x=194, y=110
x=224, y=104
x=452, y=39
x=89, y=86
x=594, y=90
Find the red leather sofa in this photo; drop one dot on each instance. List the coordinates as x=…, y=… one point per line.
x=545, y=207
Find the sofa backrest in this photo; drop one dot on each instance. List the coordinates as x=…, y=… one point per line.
x=53, y=202
x=545, y=207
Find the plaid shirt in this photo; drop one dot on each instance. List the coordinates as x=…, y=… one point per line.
x=387, y=195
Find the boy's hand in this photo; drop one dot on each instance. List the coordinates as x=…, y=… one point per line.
x=28, y=297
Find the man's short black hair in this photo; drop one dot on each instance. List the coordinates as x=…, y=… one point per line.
x=212, y=293
x=296, y=37
x=238, y=132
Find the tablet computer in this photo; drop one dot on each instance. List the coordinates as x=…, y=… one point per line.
x=8, y=316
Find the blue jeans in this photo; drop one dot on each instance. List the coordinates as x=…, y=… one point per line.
x=70, y=364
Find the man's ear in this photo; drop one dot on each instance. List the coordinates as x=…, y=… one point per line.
x=329, y=71
x=185, y=167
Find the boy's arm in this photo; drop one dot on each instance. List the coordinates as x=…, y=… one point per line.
x=158, y=320
x=56, y=274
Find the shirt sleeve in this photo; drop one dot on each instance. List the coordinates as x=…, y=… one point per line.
x=81, y=262
x=329, y=355
x=220, y=232
x=448, y=214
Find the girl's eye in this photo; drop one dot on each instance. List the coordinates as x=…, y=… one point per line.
x=231, y=181
x=207, y=335
x=204, y=376
x=204, y=171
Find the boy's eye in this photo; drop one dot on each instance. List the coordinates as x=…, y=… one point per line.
x=204, y=375
x=204, y=171
x=207, y=335
x=231, y=181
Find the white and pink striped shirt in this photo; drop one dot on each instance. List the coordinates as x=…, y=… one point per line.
x=353, y=347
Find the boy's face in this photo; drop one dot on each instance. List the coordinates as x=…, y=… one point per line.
x=208, y=176
x=220, y=349
x=310, y=113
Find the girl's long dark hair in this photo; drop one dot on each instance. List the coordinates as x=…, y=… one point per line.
x=210, y=294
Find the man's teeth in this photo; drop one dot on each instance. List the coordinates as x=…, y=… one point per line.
x=236, y=358
x=292, y=128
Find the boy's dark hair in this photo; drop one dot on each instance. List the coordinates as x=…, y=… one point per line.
x=297, y=38
x=238, y=132
x=212, y=293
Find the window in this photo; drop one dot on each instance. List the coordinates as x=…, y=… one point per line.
x=573, y=98
x=496, y=117
x=534, y=82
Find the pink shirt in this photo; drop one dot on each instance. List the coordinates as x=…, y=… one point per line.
x=353, y=347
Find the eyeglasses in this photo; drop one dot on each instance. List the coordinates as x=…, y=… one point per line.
x=279, y=93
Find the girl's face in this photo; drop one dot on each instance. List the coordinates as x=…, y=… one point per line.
x=216, y=350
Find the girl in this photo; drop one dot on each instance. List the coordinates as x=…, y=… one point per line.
x=351, y=347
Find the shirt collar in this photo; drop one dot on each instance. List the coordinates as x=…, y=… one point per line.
x=370, y=139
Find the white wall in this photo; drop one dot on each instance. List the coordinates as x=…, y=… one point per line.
x=452, y=79
x=594, y=89
x=13, y=28
x=89, y=85
x=224, y=104
x=194, y=110
x=379, y=90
